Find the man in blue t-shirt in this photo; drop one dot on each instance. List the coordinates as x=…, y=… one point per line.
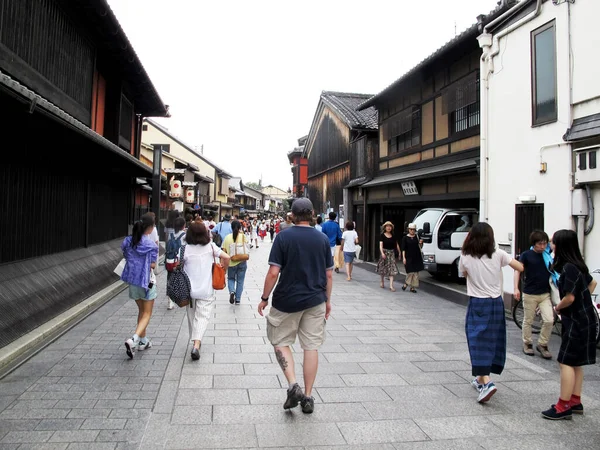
x=536, y=294
x=300, y=258
x=333, y=232
x=224, y=227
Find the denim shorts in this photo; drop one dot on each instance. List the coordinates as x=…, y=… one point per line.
x=349, y=257
x=136, y=292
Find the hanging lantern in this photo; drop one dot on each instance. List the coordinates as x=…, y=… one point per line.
x=176, y=190
x=189, y=195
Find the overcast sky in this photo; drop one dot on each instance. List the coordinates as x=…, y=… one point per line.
x=243, y=77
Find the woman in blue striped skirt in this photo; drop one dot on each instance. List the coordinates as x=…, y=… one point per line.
x=481, y=263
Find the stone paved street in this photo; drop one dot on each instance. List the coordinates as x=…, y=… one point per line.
x=394, y=374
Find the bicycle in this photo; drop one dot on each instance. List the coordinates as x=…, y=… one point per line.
x=536, y=325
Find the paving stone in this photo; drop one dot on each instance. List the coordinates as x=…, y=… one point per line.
x=433, y=378
x=89, y=413
x=246, y=381
x=441, y=366
x=44, y=446
x=196, y=415
x=384, y=379
x=131, y=435
x=299, y=434
x=59, y=424
x=381, y=431
x=47, y=413
x=17, y=424
x=454, y=444
x=216, y=436
x=260, y=414
x=20, y=437
x=232, y=358
x=352, y=357
x=352, y=394
x=92, y=446
x=103, y=424
x=458, y=427
x=194, y=397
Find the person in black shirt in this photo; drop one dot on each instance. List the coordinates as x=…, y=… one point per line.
x=300, y=264
x=579, y=320
x=412, y=257
x=536, y=294
x=386, y=266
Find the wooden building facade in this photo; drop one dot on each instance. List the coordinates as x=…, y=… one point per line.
x=337, y=131
x=73, y=93
x=428, y=138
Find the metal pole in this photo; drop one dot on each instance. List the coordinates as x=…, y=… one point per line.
x=156, y=171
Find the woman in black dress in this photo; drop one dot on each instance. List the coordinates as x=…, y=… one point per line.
x=412, y=258
x=579, y=324
x=386, y=266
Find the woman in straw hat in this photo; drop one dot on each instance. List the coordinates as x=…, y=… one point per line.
x=386, y=267
x=412, y=258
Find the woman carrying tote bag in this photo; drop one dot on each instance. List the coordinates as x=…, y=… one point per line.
x=198, y=259
x=236, y=245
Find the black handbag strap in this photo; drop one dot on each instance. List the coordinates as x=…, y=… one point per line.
x=181, y=255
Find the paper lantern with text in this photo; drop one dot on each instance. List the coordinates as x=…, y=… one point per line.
x=176, y=190
x=190, y=197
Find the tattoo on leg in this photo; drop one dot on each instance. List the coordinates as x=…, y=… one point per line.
x=281, y=359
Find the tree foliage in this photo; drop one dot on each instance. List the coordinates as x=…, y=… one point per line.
x=253, y=185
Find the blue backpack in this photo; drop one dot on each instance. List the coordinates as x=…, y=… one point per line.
x=172, y=252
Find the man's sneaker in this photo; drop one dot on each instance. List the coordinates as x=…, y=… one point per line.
x=144, y=346
x=486, y=392
x=308, y=405
x=171, y=305
x=130, y=347
x=528, y=349
x=231, y=297
x=543, y=349
x=476, y=384
x=552, y=414
x=577, y=409
x=294, y=396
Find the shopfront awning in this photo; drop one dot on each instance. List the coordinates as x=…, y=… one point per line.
x=583, y=128
x=425, y=172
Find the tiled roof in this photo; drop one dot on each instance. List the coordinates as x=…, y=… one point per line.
x=469, y=33
x=345, y=104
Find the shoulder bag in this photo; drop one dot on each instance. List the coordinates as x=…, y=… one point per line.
x=239, y=252
x=179, y=288
x=218, y=274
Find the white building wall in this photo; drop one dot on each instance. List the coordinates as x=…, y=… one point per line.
x=516, y=149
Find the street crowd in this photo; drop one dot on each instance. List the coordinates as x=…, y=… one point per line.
x=304, y=253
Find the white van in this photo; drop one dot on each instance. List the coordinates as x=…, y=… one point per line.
x=443, y=232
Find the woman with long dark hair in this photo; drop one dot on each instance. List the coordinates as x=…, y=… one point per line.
x=485, y=325
x=140, y=253
x=198, y=256
x=579, y=321
x=236, y=242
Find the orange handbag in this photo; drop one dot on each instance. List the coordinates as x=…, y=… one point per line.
x=218, y=275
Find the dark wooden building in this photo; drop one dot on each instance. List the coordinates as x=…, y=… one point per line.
x=428, y=137
x=337, y=131
x=73, y=95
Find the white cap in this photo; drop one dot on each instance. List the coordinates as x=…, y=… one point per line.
x=412, y=226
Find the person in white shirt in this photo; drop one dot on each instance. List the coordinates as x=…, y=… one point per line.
x=349, y=241
x=481, y=263
x=198, y=258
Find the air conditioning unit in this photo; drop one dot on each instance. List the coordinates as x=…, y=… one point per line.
x=586, y=165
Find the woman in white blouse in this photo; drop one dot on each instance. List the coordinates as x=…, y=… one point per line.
x=198, y=257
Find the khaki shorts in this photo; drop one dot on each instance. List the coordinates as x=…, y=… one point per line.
x=309, y=325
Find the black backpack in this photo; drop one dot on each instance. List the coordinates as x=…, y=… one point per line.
x=216, y=237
